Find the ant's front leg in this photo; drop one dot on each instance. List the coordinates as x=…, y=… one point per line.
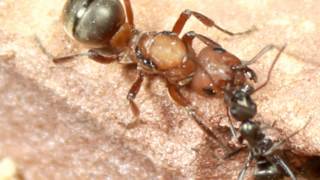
x=100, y=55
x=134, y=90
x=186, y=14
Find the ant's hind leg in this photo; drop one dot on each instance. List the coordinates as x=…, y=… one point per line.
x=285, y=167
x=186, y=14
x=245, y=167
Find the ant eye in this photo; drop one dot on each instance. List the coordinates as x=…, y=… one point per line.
x=145, y=61
x=219, y=50
x=149, y=63
x=209, y=91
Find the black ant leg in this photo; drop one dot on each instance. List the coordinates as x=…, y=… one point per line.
x=186, y=14
x=285, y=167
x=134, y=90
x=192, y=112
x=181, y=100
x=231, y=127
x=271, y=68
x=245, y=167
x=277, y=144
x=262, y=52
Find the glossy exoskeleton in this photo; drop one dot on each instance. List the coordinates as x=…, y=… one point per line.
x=108, y=27
x=269, y=165
x=223, y=74
x=102, y=23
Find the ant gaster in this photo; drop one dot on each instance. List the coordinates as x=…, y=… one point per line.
x=105, y=25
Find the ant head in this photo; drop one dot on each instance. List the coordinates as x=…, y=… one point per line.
x=241, y=105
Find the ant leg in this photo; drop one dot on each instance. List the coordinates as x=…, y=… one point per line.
x=129, y=12
x=271, y=68
x=176, y=95
x=228, y=152
x=245, y=167
x=276, y=145
x=134, y=90
x=186, y=14
x=263, y=51
x=181, y=100
x=285, y=167
x=188, y=39
x=101, y=55
x=231, y=127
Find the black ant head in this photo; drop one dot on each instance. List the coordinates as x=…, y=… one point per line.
x=241, y=105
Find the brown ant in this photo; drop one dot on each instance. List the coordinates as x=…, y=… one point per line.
x=102, y=23
x=160, y=53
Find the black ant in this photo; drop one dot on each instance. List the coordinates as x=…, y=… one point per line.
x=105, y=25
x=262, y=149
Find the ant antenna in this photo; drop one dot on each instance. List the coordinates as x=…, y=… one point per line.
x=276, y=145
x=192, y=112
x=256, y=57
x=271, y=68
